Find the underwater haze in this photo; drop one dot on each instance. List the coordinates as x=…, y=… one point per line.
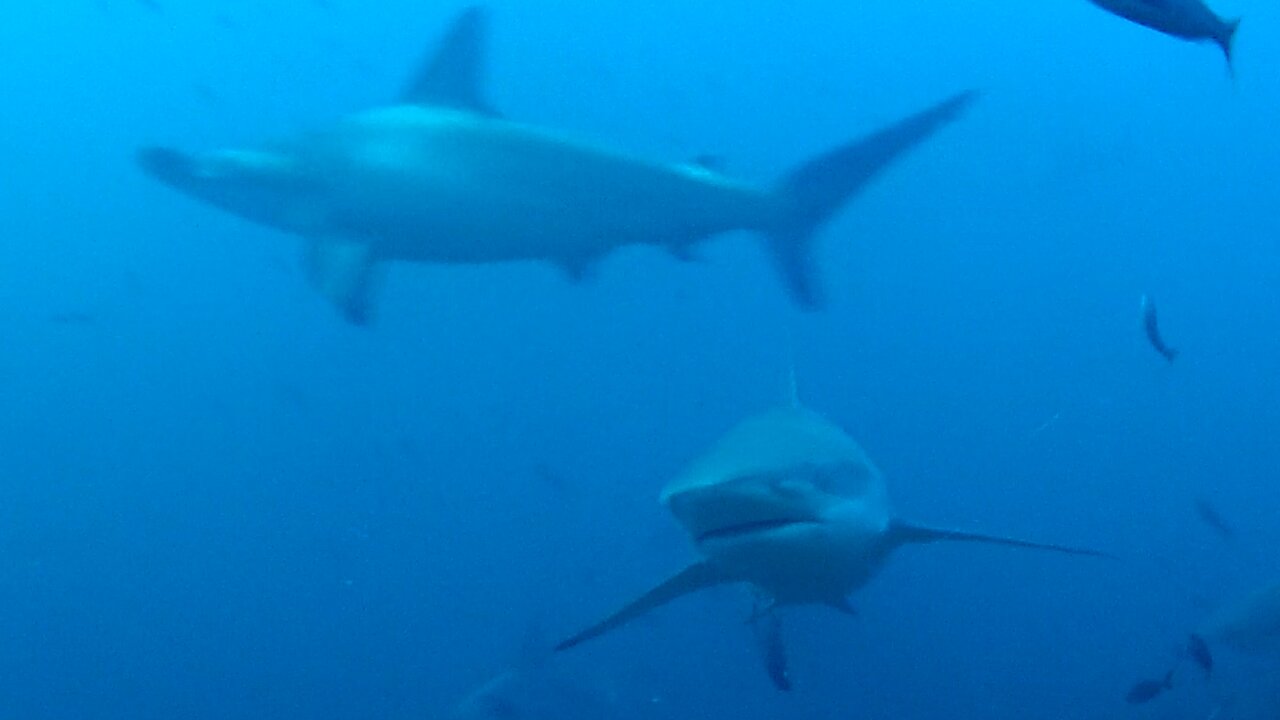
x=219, y=500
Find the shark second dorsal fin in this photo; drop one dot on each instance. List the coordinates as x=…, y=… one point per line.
x=453, y=74
x=692, y=579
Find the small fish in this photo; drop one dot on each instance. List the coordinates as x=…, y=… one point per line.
x=1152, y=328
x=73, y=318
x=1147, y=690
x=1211, y=517
x=1185, y=19
x=553, y=480
x=1198, y=650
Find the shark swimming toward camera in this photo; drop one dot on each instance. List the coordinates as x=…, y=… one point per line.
x=439, y=176
x=789, y=504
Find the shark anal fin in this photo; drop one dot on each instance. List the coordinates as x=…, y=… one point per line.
x=345, y=274
x=693, y=578
x=453, y=74
x=901, y=533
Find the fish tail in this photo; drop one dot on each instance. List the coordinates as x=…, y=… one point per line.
x=1226, y=40
x=813, y=192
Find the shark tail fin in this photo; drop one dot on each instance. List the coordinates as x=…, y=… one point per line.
x=813, y=192
x=693, y=578
x=903, y=534
x=1226, y=40
x=345, y=273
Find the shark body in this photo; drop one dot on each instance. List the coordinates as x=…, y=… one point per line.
x=438, y=176
x=787, y=503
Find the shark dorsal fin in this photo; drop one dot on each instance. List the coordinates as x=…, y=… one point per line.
x=452, y=75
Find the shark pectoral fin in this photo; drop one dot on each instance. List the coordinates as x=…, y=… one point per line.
x=344, y=272
x=453, y=74
x=693, y=578
x=901, y=533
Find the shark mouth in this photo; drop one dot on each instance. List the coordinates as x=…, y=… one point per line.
x=740, y=530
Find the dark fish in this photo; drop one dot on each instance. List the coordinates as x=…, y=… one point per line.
x=1185, y=19
x=1198, y=650
x=1147, y=690
x=1152, y=328
x=77, y=319
x=1211, y=517
x=767, y=627
x=552, y=479
x=226, y=21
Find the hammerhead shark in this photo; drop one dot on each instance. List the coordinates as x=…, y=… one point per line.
x=439, y=176
x=791, y=505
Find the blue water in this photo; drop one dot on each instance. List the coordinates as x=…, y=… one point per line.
x=220, y=501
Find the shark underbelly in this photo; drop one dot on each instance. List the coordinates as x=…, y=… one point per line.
x=439, y=186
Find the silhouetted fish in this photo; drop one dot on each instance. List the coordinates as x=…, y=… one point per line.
x=1186, y=19
x=1198, y=650
x=552, y=479
x=1211, y=517
x=1152, y=328
x=1147, y=690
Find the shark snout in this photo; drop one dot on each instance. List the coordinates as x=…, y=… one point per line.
x=169, y=166
x=738, y=512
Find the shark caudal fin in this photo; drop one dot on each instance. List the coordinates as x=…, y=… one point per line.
x=1226, y=40
x=693, y=578
x=812, y=193
x=901, y=533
